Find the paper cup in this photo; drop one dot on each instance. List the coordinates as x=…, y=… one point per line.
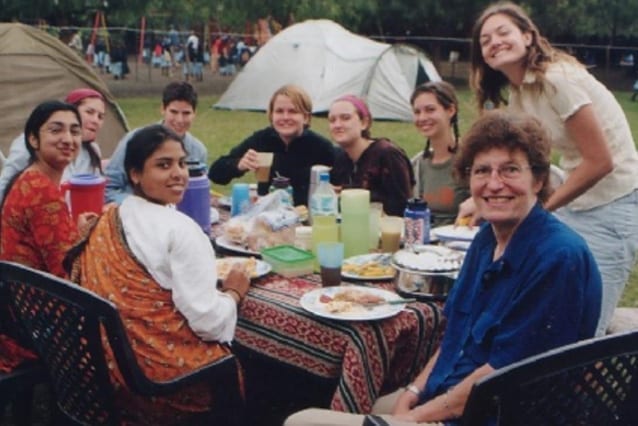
x=263, y=170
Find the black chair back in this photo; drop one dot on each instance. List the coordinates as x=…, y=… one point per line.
x=593, y=383
x=64, y=321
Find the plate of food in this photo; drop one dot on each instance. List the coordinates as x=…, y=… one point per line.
x=225, y=201
x=352, y=303
x=368, y=267
x=226, y=244
x=256, y=268
x=455, y=232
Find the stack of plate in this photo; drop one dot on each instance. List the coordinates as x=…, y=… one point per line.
x=456, y=237
x=427, y=272
x=434, y=259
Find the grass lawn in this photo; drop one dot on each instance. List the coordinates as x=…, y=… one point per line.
x=221, y=130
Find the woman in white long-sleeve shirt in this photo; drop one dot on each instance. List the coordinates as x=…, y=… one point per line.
x=159, y=268
x=92, y=107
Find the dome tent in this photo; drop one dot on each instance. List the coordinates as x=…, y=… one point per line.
x=328, y=61
x=37, y=67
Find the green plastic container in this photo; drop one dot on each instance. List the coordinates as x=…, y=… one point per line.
x=288, y=260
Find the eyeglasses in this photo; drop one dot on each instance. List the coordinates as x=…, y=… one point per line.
x=504, y=172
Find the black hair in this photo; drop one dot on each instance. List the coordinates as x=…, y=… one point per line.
x=36, y=120
x=39, y=116
x=179, y=91
x=144, y=143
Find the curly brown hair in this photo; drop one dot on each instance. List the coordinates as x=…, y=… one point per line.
x=512, y=132
x=487, y=83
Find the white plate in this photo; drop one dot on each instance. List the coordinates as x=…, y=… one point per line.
x=310, y=302
x=429, y=258
x=455, y=233
x=261, y=267
x=380, y=258
x=214, y=215
x=458, y=245
x=225, y=201
x=222, y=242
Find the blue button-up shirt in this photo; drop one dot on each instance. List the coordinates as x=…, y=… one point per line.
x=544, y=292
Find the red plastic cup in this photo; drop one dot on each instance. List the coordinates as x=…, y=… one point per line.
x=86, y=193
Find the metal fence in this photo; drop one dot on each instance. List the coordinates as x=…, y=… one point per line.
x=613, y=65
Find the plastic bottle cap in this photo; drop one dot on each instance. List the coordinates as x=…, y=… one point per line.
x=280, y=182
x=417, y=204
x=195, y=168
x=86, y=179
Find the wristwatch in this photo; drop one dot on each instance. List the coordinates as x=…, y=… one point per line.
x=412, y=388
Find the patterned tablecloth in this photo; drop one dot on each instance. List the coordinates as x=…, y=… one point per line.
x=369, y=358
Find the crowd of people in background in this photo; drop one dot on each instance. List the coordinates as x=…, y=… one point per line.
x=172, y=51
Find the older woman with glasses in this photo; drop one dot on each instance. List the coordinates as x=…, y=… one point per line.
x=528, y=283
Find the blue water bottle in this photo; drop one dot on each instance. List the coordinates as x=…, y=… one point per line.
x=417, y=222
x=196, y=201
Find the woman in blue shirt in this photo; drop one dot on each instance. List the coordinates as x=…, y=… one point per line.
x=528, y=283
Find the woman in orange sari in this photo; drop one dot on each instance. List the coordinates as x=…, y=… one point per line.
x=158, y=267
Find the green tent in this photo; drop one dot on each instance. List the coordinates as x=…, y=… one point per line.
x=34, y=67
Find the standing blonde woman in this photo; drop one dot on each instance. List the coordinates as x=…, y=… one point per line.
x=587, y=126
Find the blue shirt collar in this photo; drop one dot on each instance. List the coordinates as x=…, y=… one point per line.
x=520, y=241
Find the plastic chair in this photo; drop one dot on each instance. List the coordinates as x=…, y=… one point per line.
x=593, y=382
x=17, y=385
x=64, y=321
x=16, y=388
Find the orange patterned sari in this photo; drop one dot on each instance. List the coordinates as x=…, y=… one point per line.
x=164, y=344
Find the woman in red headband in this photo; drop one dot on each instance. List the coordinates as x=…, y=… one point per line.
x=91, y=105
x=375, y=164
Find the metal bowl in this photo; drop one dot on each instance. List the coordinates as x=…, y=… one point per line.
x=423, y=285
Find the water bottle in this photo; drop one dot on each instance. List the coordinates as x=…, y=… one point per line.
x=323, y=209
x=417, y=222
x=323, y=201
x=315, y=171
x=196, y=200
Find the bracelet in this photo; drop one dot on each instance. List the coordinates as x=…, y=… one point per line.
x=412, y=388
x=226, y=290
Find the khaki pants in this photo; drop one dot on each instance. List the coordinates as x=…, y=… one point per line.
x=320, y=417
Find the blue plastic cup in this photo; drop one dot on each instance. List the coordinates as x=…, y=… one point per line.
x=330, y=254
x=330, y=257
x=241, y=199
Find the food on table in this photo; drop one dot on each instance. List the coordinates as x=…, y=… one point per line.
x=266, y=229
x=302, y=211
x=371, y=269
x=224, y=265
x=464, y=221
x=349, y=300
